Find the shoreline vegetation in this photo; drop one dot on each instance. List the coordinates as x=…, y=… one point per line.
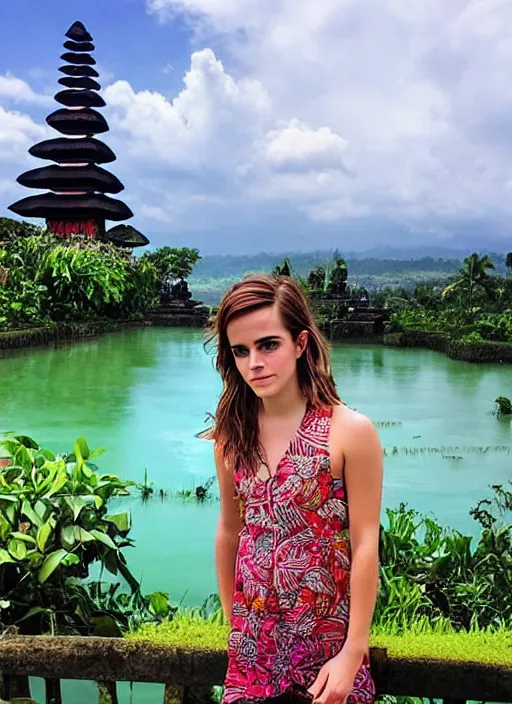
x=474, y=351
x=53, y=289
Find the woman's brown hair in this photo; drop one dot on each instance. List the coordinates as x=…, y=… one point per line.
x=236, y=419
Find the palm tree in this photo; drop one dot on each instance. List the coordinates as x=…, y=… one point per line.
x=473, y=274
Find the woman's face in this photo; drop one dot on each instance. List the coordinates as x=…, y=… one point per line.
x=264, y=351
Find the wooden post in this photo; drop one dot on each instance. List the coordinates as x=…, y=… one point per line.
x=198, y=694
x=15, y=687
x=53, y=691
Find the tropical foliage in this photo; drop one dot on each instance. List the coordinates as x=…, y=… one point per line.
x=13, y=228
x=44, y=279
x=172, y=263
x=474, y=307
x=55, y=526
x=472, y=277
x=504, y=406
x=433, y=577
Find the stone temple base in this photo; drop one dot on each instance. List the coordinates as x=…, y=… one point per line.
x=191, y=315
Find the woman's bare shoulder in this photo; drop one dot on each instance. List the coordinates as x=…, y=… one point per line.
x=344, y=414
x=349, y=425
x=222, y=462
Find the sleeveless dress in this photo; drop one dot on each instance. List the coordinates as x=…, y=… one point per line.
x=291, y=592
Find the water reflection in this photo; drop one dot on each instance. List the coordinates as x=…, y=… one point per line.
x=76, y=385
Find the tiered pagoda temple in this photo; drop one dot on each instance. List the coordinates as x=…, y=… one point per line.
x=75, y=202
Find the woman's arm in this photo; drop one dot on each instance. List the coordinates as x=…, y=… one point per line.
x=226, y=537
x=363, y=479
x=356, y=446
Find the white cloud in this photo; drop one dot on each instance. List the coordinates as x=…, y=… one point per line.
x=154, y=212
x=298, y=147
x=218, y=142
x=206, y=126
x=220, y=10
x=18, y=132
x=319, y=112
x=218, y=146
x=15, y=90
x=418, y=91
x=328, y=211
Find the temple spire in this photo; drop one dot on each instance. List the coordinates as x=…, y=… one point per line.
x=76, y=202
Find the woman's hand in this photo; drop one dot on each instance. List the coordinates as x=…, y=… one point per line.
x=335, y=680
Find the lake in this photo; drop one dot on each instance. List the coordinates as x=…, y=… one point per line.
x=143, y=394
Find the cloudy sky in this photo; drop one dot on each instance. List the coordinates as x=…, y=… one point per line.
x=249, y=125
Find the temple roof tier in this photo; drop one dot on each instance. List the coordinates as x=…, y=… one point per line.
x=78, y=33
x=77, y=122
x=80, y=99
x=71, y=178
x=79, y=71
x=64, y=150
x=126, y=236
x=72, y=207
x=79, y=59
x=74, y=185
x=79, y=46
x=80, y=82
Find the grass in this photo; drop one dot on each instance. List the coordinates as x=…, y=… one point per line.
x=484, y=647
x=185, y=631
x=490, y=648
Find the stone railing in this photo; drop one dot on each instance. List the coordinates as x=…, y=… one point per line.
x=187, y=674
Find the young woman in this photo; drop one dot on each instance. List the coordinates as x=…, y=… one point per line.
x=300, y=477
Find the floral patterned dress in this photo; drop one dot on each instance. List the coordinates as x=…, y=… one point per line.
x=291, y=594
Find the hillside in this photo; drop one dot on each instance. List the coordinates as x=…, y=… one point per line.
x=215, y=273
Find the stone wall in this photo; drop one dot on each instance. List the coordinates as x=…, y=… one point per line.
x=466, y=351
x=48, y=334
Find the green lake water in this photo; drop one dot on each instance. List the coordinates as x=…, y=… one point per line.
x=143, y=394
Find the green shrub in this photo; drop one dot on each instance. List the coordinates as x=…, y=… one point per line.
x=433, y=576
x=54, y=524
x=504, y=406
x=44, y=279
